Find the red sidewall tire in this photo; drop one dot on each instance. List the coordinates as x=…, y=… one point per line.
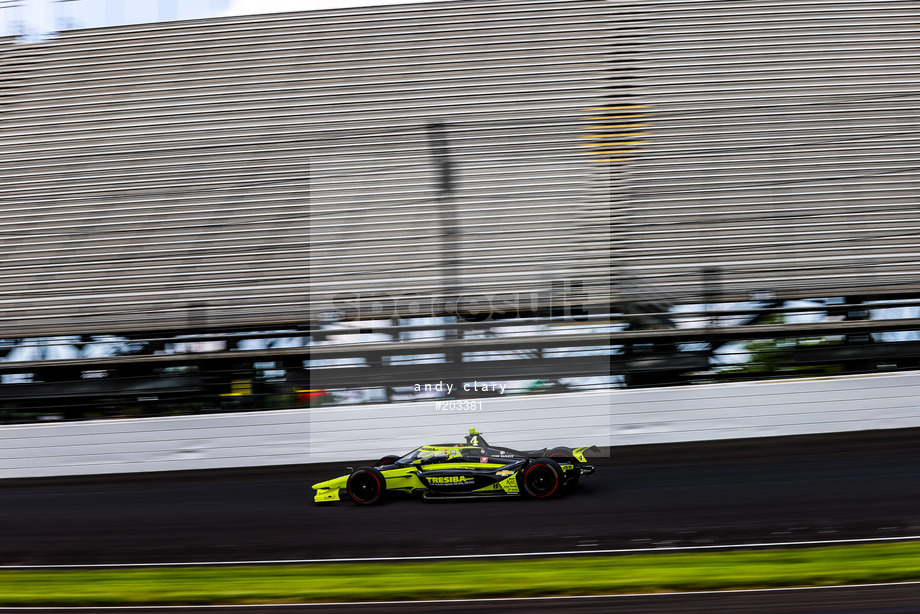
x=366, y=486
x=541, y=478
x=561, y=454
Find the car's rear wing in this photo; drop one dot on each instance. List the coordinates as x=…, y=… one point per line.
x=579, y=453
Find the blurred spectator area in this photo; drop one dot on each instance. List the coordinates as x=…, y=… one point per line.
x=232, y=214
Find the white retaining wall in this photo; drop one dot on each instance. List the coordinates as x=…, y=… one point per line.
x=155, y=444
x=352, y=433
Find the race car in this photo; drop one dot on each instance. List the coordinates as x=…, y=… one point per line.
x=473, y=469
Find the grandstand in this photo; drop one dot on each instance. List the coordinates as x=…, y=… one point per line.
x=222, y=171
x=208, y=170
x=473, y=158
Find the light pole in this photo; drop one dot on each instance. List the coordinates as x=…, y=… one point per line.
x=450, y=262
x=450, y=255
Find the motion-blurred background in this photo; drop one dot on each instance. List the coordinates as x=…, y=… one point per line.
x=331, y=208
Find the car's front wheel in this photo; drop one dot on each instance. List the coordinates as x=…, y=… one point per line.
x=541, y=478
x=366, y=486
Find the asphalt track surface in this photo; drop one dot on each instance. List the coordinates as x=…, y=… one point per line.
x=845, y=486
x=761, y=490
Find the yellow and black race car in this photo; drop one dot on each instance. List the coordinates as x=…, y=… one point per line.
x=470, y=469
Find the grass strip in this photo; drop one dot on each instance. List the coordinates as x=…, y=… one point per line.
x=463, y=579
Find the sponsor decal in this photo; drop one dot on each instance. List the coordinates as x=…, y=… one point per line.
x=568, y=467
x=458, y=480
x=504, y=473
x=483, y=459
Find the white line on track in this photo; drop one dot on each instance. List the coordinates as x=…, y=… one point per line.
x=496, y=600
x=447, y=557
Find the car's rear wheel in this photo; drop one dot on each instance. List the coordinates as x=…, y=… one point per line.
x=387, y=460
x=366, y=486
x=561, y=454
x=541, y=478
x=565, y=455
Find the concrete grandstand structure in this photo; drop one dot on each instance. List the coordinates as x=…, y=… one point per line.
x=783, y=149
x=234, y=177
x=207, y=171
x=249, y=171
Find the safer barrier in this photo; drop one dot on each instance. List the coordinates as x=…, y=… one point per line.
x=360, y=432
x=155, y=444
